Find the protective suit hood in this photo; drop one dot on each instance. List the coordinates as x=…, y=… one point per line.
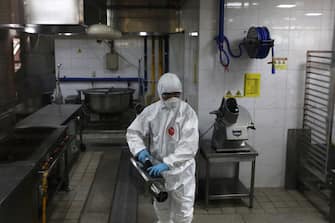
x=168, y=83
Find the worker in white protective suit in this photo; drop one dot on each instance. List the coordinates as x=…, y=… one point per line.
x=173, y=129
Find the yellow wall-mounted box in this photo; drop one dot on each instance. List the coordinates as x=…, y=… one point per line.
x=252, y=85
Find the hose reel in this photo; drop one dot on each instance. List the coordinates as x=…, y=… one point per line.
x=258, y=42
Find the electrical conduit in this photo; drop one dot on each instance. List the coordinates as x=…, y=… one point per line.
x=145, y=64
x=166, y=54
x=153, y=68
x=160, y=57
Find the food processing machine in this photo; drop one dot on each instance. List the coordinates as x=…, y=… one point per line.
x=228, y=146
x=231, y=127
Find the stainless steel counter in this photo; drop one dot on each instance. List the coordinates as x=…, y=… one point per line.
x=13, y=173
x=50, y=116
x=20, y=160
x=11, y=177
x=17, y=190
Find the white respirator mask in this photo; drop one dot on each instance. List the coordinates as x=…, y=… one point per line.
x=172, y=102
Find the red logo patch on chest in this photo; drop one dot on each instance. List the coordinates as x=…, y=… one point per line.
x=171, y=131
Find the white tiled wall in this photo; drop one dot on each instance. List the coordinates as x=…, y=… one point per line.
x=280, y=105
x=84, y=58
x=87, y=58
x=190, y=23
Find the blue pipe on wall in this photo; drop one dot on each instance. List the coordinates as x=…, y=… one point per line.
x=100, y=79
x=221, y=22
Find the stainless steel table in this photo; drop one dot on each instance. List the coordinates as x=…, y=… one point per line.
x=228, y=188
x=55, y=115
x=50, y=116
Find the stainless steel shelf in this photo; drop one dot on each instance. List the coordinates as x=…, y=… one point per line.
x=318, y=68
x=317, y=85
x=225, y=188
x=318, y=62
x=316, y=113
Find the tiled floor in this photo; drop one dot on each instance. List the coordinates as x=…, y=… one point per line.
x=271, y=205
x=66, y=207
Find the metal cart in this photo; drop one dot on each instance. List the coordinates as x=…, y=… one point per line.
x=317, y=154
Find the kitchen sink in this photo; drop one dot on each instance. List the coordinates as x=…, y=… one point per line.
x=22, y=144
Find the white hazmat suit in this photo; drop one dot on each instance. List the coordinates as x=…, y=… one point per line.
x=173, y=129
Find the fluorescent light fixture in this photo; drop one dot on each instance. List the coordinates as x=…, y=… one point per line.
x=65, y=34
x=286, y=6
x=255, y=3
x=313, y=14
x=194, y=33
x=234, y=4
x=30, y=30
x=143, y=33
x=14, y=26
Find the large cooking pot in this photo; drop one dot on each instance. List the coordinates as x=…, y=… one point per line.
x=108, y=100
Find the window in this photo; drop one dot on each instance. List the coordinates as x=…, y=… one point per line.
x=17, y=53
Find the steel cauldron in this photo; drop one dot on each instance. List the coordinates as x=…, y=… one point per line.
x=108, y=100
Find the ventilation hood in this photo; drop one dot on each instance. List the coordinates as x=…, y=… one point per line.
x=149, y=17
x=70, y=17
x=11, y=14
x=52, y=16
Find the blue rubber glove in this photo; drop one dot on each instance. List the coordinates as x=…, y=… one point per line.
x=143, y=155
x=156, y=170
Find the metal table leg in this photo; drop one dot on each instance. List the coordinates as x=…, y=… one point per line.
x=66, y=183
x=207, y=183
x=80, y=125
x=252, y=183
x=237, y=171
